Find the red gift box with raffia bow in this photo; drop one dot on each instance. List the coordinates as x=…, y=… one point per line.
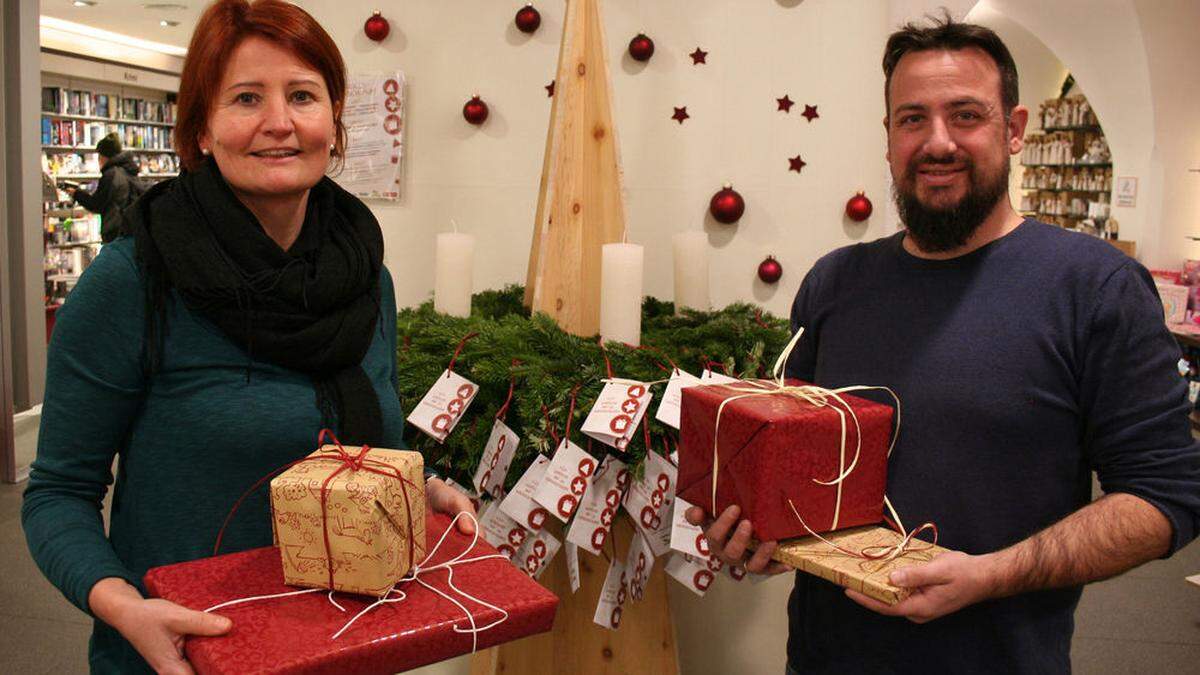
x=777, y=442
x=293, y=634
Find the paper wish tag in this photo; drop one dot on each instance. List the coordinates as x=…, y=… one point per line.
x=618, y=410
x=668, y=409
x=695, y=573
x=519, y=504
x=572, y=565
x=537, y=551
x=648, y=495
x=506, y=534
x=444, y=404
x=660, y=538
x=594, y=517
x=638, y=564
x=685, y=537
x=612, y=597
x=566, y=480
x=709, y=377
x=497, y=456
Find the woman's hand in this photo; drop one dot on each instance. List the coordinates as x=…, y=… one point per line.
x=445, y=499
x=156, y=628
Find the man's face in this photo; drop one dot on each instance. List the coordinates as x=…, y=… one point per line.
x=949, y=144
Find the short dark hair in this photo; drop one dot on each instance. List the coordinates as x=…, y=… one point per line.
x=947, y=34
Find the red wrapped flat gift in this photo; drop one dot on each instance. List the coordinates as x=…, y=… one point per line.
x=773, y=447
x=293, y=634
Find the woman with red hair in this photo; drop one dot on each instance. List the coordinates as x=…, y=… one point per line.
x=249, y=309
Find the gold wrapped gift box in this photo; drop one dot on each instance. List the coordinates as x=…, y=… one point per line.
x=869, y=577
x=374, y=514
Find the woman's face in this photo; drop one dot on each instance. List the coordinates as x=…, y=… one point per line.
x=272, y=123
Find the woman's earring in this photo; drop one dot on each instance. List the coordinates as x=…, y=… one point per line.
x=332, y=148
x=205, y=151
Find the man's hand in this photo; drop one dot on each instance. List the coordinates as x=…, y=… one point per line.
x=445, y=499
x=730, y=547
x=942, y=586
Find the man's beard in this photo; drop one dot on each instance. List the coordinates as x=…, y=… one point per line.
x=937, y=230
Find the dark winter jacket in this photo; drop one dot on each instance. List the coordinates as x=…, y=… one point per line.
x=119, y=187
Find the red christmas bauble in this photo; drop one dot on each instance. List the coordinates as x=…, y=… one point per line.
x=528, y=19
x=727, y=205
x=377, y=27
x=858, y=208
x=770, y=270
x=475, y=111
x=641, y=47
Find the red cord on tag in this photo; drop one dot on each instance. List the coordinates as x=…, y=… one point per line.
x=502, y=413
x=458, y=350
x=607, y=364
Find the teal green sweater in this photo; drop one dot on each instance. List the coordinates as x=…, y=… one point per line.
x=189, y=440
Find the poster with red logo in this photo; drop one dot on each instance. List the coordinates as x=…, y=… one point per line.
x=374, y=117
x=443, y=405
x=566, y=480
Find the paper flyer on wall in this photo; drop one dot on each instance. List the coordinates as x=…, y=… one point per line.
x=374, y=118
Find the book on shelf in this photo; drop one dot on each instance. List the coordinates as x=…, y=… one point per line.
x=62, y=101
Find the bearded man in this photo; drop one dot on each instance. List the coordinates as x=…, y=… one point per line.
x=1026, y=357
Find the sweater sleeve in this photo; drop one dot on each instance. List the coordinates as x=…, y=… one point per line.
x=1136, y=430
x=97, y=201
x=94, y=386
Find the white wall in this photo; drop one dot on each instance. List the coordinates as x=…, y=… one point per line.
x=821, y=52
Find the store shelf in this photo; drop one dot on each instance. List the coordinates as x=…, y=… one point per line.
x=67, y=213
x=76, y=244
x=62, y=277
x=1065, y=190
x=1107, y=165
x=1084, y=127
x=85, y=148
x=110, y=120
x=96, y=176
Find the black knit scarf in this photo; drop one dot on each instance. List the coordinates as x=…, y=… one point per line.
x=311, y=309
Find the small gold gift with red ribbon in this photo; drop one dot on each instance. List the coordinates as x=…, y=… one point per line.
x=350, y=519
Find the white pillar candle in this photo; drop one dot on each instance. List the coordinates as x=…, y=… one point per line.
x=453, y=272
x=621, y=293
x=691, y=270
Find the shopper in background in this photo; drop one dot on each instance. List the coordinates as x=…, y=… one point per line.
x=118, y=188
x=249, y=309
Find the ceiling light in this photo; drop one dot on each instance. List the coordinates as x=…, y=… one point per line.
x=167, y=23
x=84, y=3
x=168, y=6
x=96, y=33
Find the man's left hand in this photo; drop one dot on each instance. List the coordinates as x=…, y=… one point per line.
x=445, y=499
x=942, y=586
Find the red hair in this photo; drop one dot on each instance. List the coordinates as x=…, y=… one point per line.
x=222, y=27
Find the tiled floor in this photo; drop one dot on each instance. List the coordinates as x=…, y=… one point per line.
x=1147, y=621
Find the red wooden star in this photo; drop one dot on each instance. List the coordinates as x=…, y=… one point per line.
x=698, y=56
x=795, y=164
x=810, y=112
x=785, y=103
x=550, y=88
x=680, y=114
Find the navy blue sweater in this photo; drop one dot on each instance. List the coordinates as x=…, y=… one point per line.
x=1022, y=367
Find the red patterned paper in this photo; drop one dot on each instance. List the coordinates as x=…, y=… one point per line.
x=771, y=448
x=291, y=635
